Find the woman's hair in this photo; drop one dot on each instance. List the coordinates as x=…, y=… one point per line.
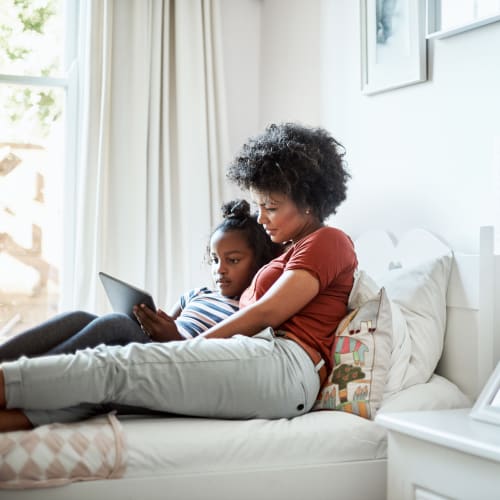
x=303, y=163
x=237, y=217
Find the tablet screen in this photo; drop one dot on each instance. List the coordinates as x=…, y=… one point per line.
x=123, y=296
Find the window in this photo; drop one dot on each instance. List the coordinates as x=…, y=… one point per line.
x=38, y=40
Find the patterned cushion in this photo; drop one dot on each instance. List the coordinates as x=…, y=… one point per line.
x=56, y=454
x=361, y=354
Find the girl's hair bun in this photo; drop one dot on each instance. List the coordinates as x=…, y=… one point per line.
x=236, y=209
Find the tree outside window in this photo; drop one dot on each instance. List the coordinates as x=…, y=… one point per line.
x=33, y=130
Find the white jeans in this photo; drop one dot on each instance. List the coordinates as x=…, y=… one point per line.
x=239, y=378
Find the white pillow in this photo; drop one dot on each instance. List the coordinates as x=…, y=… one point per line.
x=437, y=394
x=400, y=353
x=363, y=290
x=420, y=293
x=418, y=304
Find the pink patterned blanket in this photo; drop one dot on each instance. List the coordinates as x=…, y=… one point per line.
x=57, y=454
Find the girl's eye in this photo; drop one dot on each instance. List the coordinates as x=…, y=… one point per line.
x=234, y=261
x=214, y=260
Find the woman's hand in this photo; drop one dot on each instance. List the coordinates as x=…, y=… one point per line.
x=159, y=326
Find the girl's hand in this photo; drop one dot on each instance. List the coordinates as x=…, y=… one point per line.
x=159, y=326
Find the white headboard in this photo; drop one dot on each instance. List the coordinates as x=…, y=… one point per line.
x=471, y=348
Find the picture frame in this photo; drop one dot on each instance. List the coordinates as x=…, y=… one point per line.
x=487, y=406
x=445, y=19
x=393, y=44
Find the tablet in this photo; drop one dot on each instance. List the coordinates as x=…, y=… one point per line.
x=123, y=296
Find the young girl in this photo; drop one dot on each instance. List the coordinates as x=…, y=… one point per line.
x=238, y=247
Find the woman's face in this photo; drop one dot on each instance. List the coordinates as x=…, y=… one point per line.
x=281, y=218
x=232, y=261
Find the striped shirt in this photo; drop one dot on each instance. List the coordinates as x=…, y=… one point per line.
x=201, y=309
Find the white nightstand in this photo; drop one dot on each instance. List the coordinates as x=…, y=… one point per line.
x=443, y=454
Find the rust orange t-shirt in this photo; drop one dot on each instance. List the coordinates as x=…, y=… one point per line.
x=328, y=254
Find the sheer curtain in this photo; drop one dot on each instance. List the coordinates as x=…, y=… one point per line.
x=149, y=179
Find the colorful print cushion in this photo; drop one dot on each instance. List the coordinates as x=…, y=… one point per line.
x=57, y=454
x=361, y=354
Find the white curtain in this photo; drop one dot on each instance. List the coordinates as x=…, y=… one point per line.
x=149, y=181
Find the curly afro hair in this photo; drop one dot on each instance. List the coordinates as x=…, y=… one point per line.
x=303, y=163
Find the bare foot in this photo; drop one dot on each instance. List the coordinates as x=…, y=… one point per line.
x=11, y=420
x=2, y=390
x=14, y=420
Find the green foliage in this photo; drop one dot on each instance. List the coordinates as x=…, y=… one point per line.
x=23, y=26
x=34, y=19
x=42, y=101
x=12, y=52
x=16, y=53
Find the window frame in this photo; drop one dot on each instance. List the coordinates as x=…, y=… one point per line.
x=75, y=15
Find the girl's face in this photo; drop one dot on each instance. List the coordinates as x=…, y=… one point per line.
x=281, y=218
x=233, y=262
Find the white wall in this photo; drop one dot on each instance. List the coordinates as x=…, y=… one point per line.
x=290, y=62
x=241, y=37
x=424, y=155
x=272, y=64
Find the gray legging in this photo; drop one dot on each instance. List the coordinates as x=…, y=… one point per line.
x=71, y=331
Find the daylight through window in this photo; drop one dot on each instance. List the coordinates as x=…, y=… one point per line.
x=35, y=66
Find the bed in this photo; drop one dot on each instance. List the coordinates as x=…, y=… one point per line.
x=442, y=300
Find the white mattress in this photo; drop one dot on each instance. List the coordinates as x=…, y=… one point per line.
x=179, y=445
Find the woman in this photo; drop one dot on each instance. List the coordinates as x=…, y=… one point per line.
x=240, y=368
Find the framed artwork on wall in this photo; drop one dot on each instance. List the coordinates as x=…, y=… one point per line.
x=450, y=17
x=487, y=406
x=393, y=44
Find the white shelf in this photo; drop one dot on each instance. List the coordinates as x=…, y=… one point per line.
x=439, y=455
x=451, y=428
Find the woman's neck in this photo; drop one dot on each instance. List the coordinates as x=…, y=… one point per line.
x=309, y=229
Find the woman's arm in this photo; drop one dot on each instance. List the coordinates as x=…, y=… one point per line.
x=288, y=295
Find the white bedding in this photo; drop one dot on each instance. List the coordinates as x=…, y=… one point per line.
x=178, y=445
x=174, y=446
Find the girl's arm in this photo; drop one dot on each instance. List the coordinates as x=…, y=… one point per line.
x=288, y=295
x=175, y=312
